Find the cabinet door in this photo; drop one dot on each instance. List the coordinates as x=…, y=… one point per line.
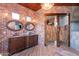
x=26, y=42
x=35, y=40
x=15, y=45
x=12, y=46
x=31, y=41
x=20, y=44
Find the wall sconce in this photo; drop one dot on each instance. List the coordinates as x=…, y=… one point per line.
x=28, y=18
x=15, y=16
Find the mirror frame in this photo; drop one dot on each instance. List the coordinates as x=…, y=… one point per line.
x=14, y=21
x=27, y=25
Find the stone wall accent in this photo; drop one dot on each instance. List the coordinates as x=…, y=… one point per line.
x=4, y=32
x=55, y=9
x=38, y=16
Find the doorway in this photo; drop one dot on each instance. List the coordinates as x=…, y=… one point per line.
x=57, y=29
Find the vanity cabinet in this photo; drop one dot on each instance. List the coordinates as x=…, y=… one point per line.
x=17, y=44
x=33, y=41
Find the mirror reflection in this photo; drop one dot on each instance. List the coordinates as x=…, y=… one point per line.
x=14, y=25
x=29, y=26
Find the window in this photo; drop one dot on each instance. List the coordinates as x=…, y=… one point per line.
x=15, y=16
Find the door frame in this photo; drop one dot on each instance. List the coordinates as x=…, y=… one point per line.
x=57, y=14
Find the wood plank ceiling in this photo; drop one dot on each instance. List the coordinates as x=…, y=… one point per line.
x=37, y=6
x=33, y=6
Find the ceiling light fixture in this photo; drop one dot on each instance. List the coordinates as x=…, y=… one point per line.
x=47, y=6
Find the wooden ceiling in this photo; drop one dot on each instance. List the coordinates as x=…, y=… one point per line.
x=37, y=6
x=33, y=6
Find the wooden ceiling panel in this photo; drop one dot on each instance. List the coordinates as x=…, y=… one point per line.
x=37, y=6
x=66, y=4
x=33, y=6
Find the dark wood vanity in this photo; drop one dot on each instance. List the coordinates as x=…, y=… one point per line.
x=19, y=43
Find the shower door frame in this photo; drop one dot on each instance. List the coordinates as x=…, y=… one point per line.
x=57, y=14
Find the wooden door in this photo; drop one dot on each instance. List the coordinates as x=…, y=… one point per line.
x=51, y=30
x=64, y=30
x=60, y=32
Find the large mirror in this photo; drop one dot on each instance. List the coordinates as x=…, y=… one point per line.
x=14, y=25
x=29, y=26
